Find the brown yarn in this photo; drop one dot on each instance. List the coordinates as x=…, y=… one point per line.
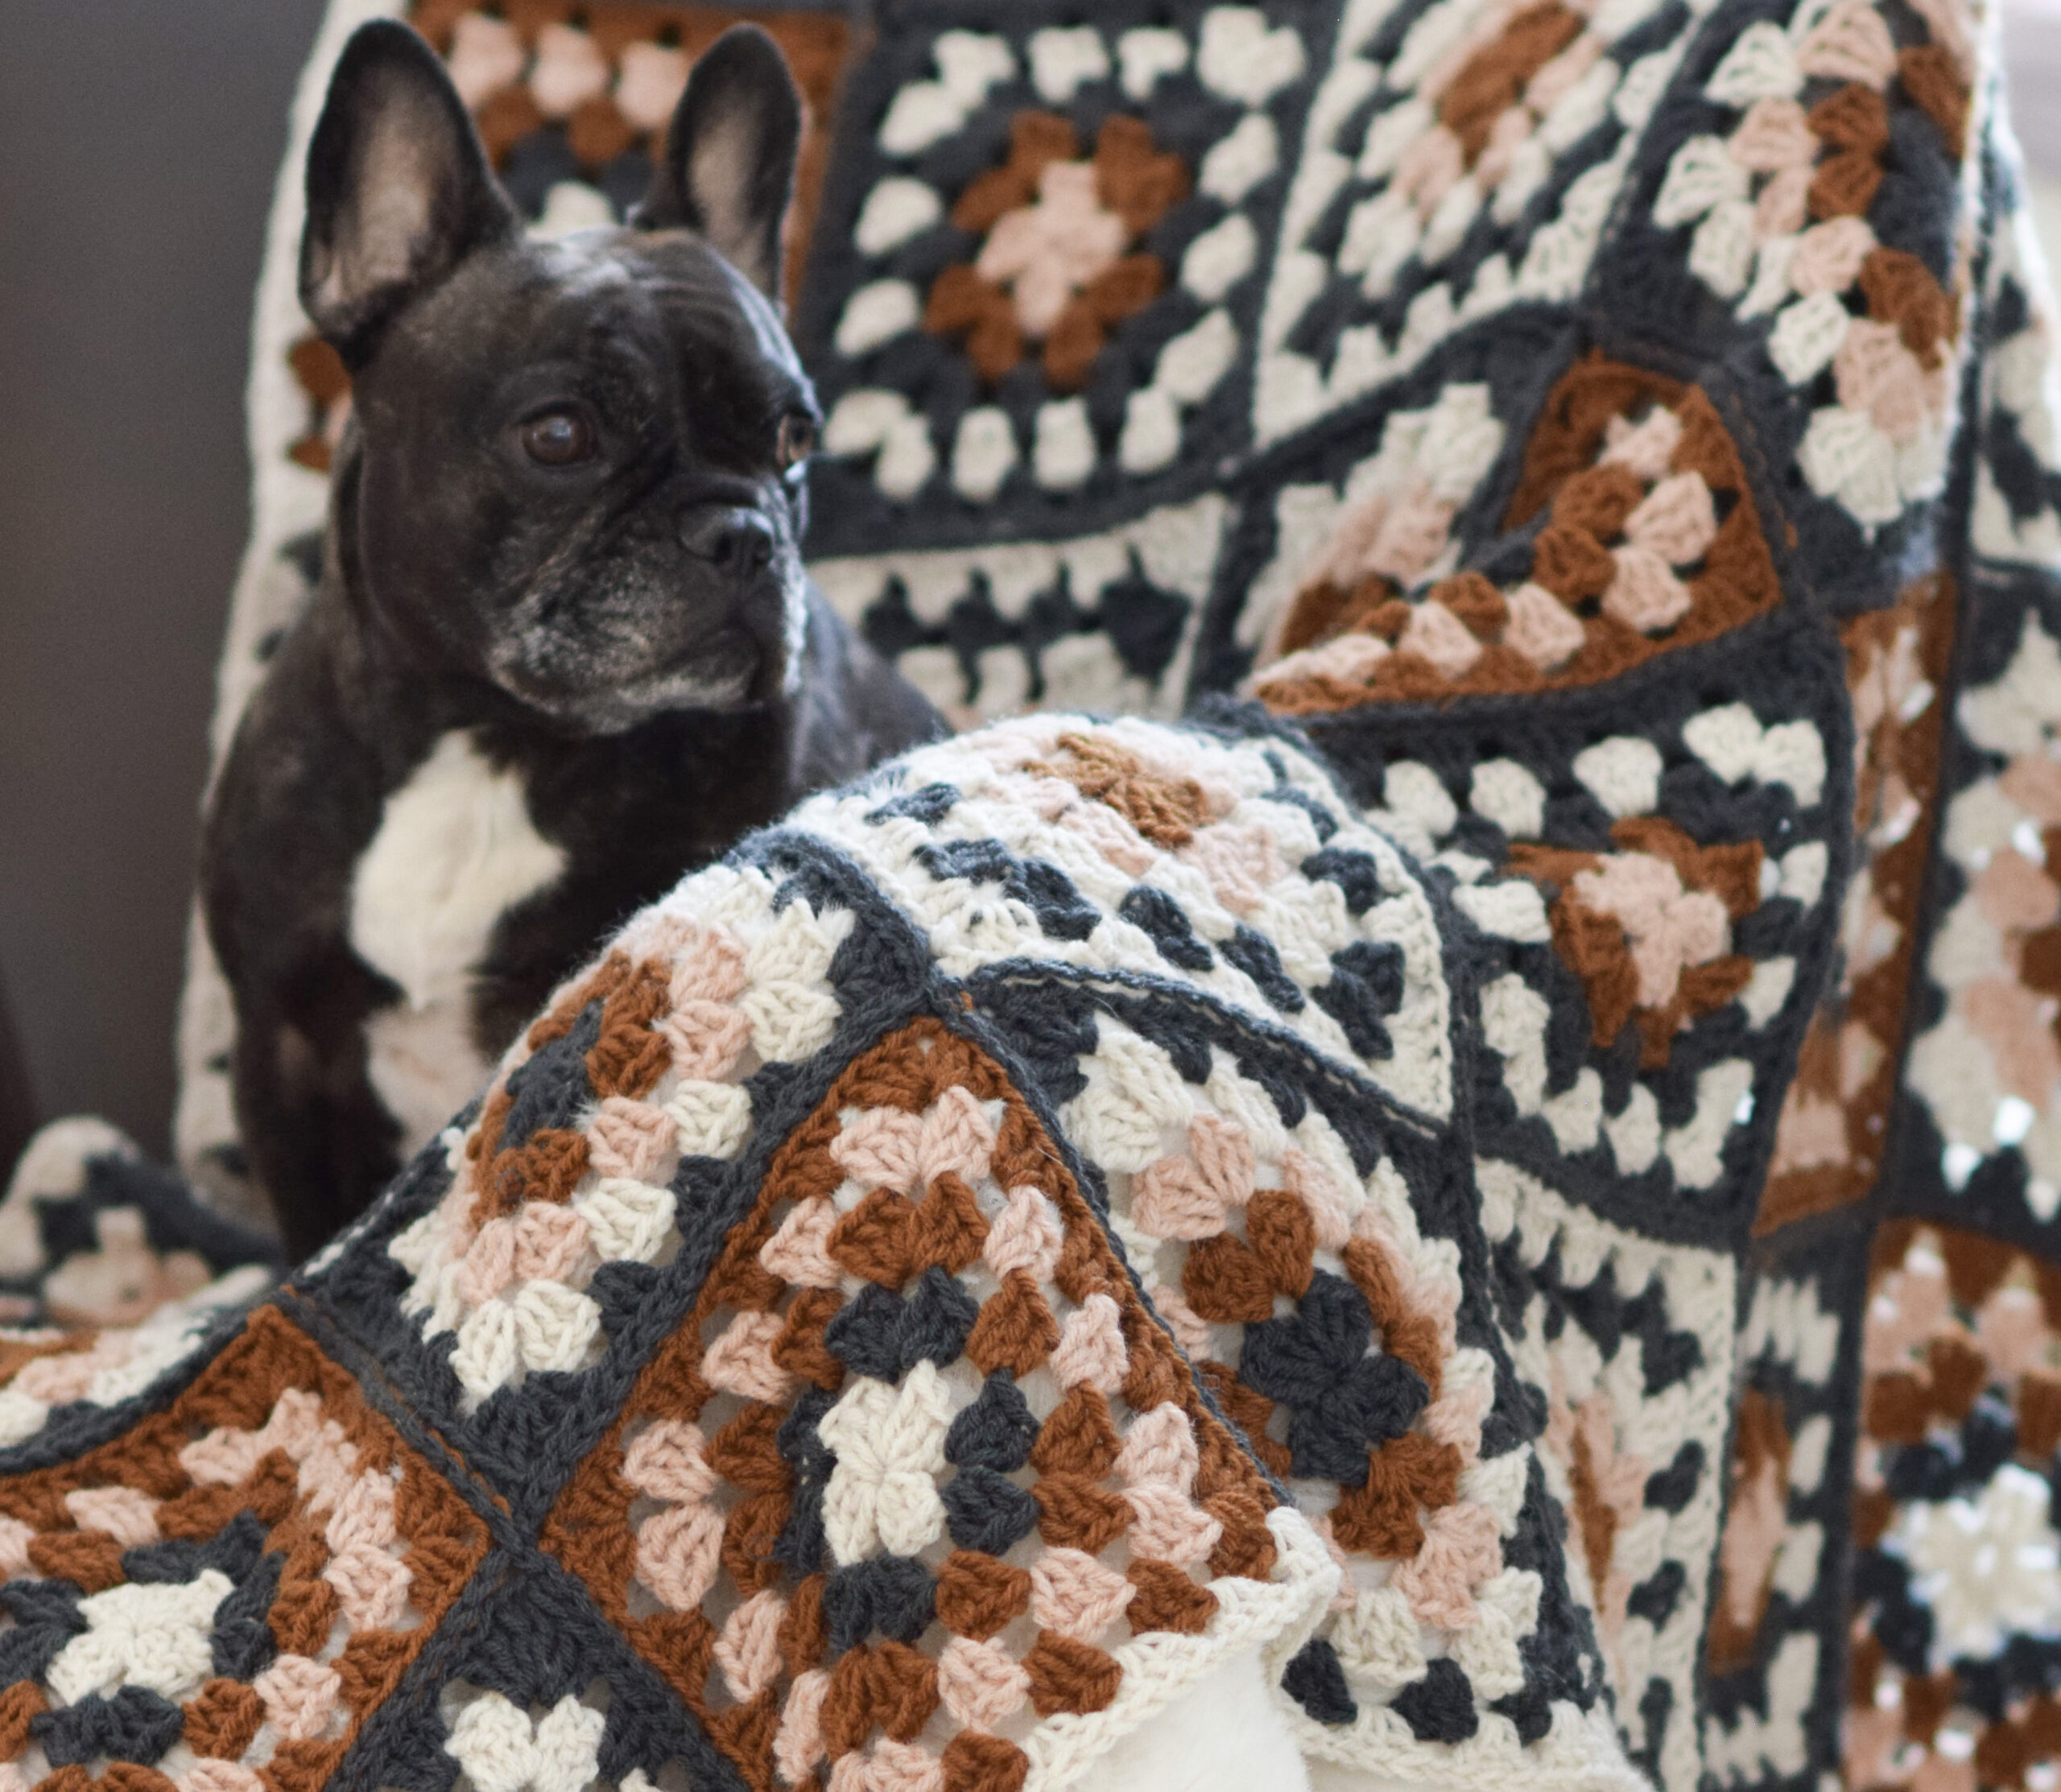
x=873, y=1239
x=1226, y=1283
x=1759, y=1446
x=1016, y=1330
x=1247, y=1548
x=978, y=1594
x=1069, y=1676
x=19, y=1704
x=1167, y=1599
x=1933, y=80
x=963, y=303
x=1927, y=1697
x=1900, y=290
x=800, y=1350
x=91, y=1558
x=1596, y=501
x=589, y=1530
x=1975, y=1264
x=1960, y=1373
x=1844, y=185
x=1895, y=1406
x=1475, y=601
x=1078, y=1437
x=631, y=1055
x=949, y=1228
x=2038, y=1407
x=1571, y=563
x=746, y=1451
x=1166, y=810
x=1491, y=81
x=1406, y=1476
x=1853, y=118
x=974, y=1762
x=1036, y=139
x=1249, y=1411
x=1900, y=761
x=598, y=132
x=1076, y=1512
x=1134, y=179
x=1283, y=1239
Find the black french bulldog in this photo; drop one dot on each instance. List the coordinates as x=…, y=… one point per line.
x=562, y=649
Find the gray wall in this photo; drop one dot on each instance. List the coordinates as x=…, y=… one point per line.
x=139, y=140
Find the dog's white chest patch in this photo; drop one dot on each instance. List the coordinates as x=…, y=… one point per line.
x=455, y=849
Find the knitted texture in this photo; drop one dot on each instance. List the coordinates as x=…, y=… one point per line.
x=1515, y=1170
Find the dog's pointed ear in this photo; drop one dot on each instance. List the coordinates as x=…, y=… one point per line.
x=728, y=171
x=399, y=190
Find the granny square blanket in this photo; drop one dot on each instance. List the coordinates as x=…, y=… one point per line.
x=1496, y=1137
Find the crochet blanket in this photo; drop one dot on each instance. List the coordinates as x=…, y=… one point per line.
x=1514, y=1174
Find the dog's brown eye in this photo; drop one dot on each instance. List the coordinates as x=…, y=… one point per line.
x=558, y=438
x=797, y=440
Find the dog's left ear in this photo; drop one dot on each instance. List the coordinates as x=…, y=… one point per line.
x=728, y=171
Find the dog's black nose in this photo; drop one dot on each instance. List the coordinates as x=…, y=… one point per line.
x=737, y=540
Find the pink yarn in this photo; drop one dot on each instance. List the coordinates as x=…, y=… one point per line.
x=372, y=1587
x=1876, y=373
x=632, y=1139
x=798, y=1745
x=1644, y=593
x=878, y=1148
x=300, y=1695
x=1314, y=1185
x=130, y=1518
x=1434, y=633
x=1775, y=135
x=208, y=1774
x=1676, y=520
x=708, y=1038
x=1160, y=1448
x=799, y=1252
x=740, y=1359
x=1073, y=1594
x=1646, y=446
x=1552, y=82
x=1783, y=206
x=15, y=1538
x=956, y=1136
x=678, y=1552
x=1828, y=255
x=489, y=1264
x=1172, y=1199
x=748, y=1651
x=903, y=1767
x=1091, y=1347
x=665, y=1461
x=1413, y=535
x=711, y=968
x=981, y=1684
x=1222, y=1152
x=1462, y=1548
x=570, y=70
x=1241, y=862
x=364, y=1514
x=1024, y=1235
x=550, y=1241
x=1850, y=42
x=1168, y=1527
x=222, y=1459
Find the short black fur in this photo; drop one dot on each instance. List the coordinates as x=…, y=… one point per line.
x=564, y=527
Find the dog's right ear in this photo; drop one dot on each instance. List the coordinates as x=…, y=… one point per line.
x=399, y=190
